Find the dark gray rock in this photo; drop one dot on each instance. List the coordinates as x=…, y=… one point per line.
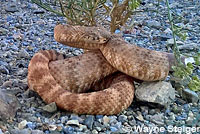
x=152, y=111
x=11, y=8
x=7, y=84
x=190, y=96
x=4, y=70
x=144, y=109
x=8, y=105
x=38, y=11
x=163, y=37
x=122, y=118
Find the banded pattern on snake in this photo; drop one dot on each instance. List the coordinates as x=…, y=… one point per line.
x=67, y=81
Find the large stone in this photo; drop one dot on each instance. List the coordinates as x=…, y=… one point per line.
x=8, y=105
x=156, y=92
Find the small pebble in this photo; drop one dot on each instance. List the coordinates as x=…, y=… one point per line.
x=73, y=122
x=113, y=129
x=106, y=120
x=94, y=131
x=89, y=121
x=69, y=130
x=51, y=108
x=22, y=124
x=122, y=118
x=52, y=127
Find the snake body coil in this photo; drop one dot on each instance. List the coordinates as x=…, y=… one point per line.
x=68, y=81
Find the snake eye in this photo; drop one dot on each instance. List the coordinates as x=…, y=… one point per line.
x=97, y=38
x=88, y=37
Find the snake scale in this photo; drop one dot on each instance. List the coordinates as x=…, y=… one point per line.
x=92, y=83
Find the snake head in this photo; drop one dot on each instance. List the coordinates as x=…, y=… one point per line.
x=97, y=35
x=93, y=38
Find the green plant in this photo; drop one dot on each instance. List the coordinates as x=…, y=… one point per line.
x=183, y=73
x=93, y=12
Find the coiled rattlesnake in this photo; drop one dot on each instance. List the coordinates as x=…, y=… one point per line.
x=66, y=81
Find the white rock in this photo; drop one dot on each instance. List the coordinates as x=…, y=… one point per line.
x=106, y=120
x=52, y=127
x=22, y=124
x=94, y=131
x=189, y=60
x=73, y=122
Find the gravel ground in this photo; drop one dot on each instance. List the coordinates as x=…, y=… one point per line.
x=25, y=29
